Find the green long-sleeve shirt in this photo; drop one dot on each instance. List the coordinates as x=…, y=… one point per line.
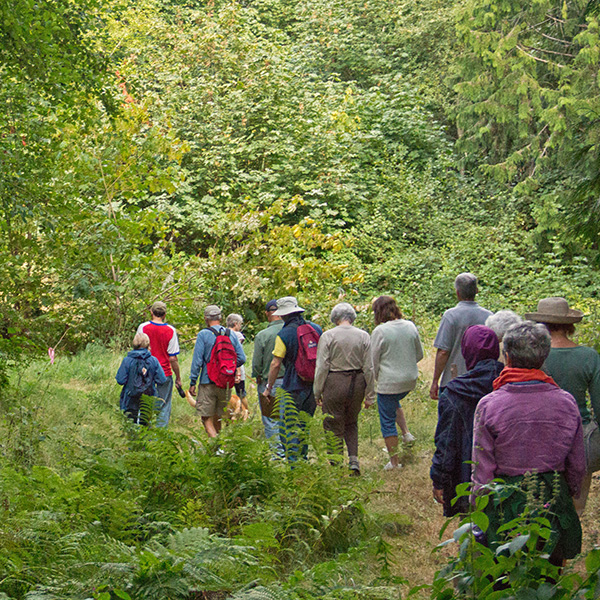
x=577, y=370
x=264, y=342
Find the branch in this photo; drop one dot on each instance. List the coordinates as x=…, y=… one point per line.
x=548, y=62
x=549, y=51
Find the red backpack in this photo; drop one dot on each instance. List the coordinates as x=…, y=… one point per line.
x=306, y=359
x=222, y=364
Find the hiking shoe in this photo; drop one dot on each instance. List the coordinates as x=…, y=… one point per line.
x=391, y=467
x=354, y=468
x=408, y=438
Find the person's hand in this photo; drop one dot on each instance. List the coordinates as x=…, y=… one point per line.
x=178, y=382
x=268, y=391
x=238, y=378
x=369, y=402
x=319, y=401
x=192, y=390
x=434, y=390
x=438, y=495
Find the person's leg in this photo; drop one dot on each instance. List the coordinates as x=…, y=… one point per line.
x=335, y=391
x=165, y=392
x=206, y=407
x=407, y=436
x=387, y=404
x=352, y=410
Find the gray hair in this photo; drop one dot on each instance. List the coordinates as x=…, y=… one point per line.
x=232, y=319
x=465, y=285
x=141, y=340
x=502, y=321
x=342, y=312
x=527, y=345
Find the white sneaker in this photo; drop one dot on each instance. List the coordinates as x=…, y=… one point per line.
x=391, y=467
x=408, y=438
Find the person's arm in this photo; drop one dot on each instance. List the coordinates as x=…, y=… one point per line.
x=123, y=372
x=447, y=448
x=594, y=388
x=322, y=367
x=418, y=347
x=441, y=360
x=175, y=368
x=484, y=465
x=173, y=352
x=257, y=359
x=368, y=373
x=279, y=353
x=575, y=466
x=376, y=343
x=197, y=363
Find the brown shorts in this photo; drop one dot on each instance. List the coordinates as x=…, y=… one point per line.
x=211, y=400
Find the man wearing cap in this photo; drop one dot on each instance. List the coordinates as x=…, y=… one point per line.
x=264, y=344
x=212, y=400
x=285, y=353
x=164, y=345
x=449, y=361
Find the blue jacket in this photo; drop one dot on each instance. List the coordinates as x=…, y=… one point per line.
x=203, y=348
x=127, y=367
x=454, y=431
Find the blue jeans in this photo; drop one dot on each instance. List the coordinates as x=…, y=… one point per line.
x=164, y=392
x=387, y=405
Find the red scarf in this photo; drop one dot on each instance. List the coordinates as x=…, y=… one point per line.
x=514, y=375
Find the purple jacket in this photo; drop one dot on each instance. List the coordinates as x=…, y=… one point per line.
x=528, y=427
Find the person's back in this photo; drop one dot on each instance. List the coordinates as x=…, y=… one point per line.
x=577, y=370
x=164, y=346
x=396, y=349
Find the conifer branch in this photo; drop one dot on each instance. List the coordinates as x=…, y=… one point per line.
x=542, y=60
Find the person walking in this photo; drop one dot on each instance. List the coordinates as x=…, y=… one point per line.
x=451, y=464
x=264, y=344
x=295, y=349
x=212, y=399
x=528, y=432
x=343, y=379
x=235, y=322
x=449, y=362
x=164, y=345
x=140, y=373
x=396, y=349
x=575, y=369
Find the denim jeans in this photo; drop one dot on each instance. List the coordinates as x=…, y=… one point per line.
x=163, y=404
x=387, y=405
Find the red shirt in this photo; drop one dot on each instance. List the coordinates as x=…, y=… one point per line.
x=163, y=342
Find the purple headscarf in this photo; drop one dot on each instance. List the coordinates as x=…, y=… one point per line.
x=479, y=343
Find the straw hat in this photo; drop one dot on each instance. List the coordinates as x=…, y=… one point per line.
x=555, y=310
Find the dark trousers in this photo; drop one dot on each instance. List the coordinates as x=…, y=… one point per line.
x=295, y=408
x=343, y=394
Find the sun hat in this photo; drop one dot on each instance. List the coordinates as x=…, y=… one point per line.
x=555, y=310
x=287, y=305
x=212, y=312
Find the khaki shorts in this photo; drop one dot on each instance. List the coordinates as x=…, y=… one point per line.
x=211, y=400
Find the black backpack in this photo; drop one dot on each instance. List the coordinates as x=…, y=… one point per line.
x=142, y=378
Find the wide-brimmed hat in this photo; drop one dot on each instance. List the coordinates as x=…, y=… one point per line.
x=287, y=306
x=555, y=310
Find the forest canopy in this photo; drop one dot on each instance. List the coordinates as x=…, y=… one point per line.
x=231, y=152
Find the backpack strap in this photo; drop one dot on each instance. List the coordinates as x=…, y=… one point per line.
x=227, y=331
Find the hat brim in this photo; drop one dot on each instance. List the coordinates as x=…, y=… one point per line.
x=573, y=316
x=281, y=312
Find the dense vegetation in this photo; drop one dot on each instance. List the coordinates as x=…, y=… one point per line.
x=233, y=151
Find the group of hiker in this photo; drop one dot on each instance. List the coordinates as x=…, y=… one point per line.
x=525, y=415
